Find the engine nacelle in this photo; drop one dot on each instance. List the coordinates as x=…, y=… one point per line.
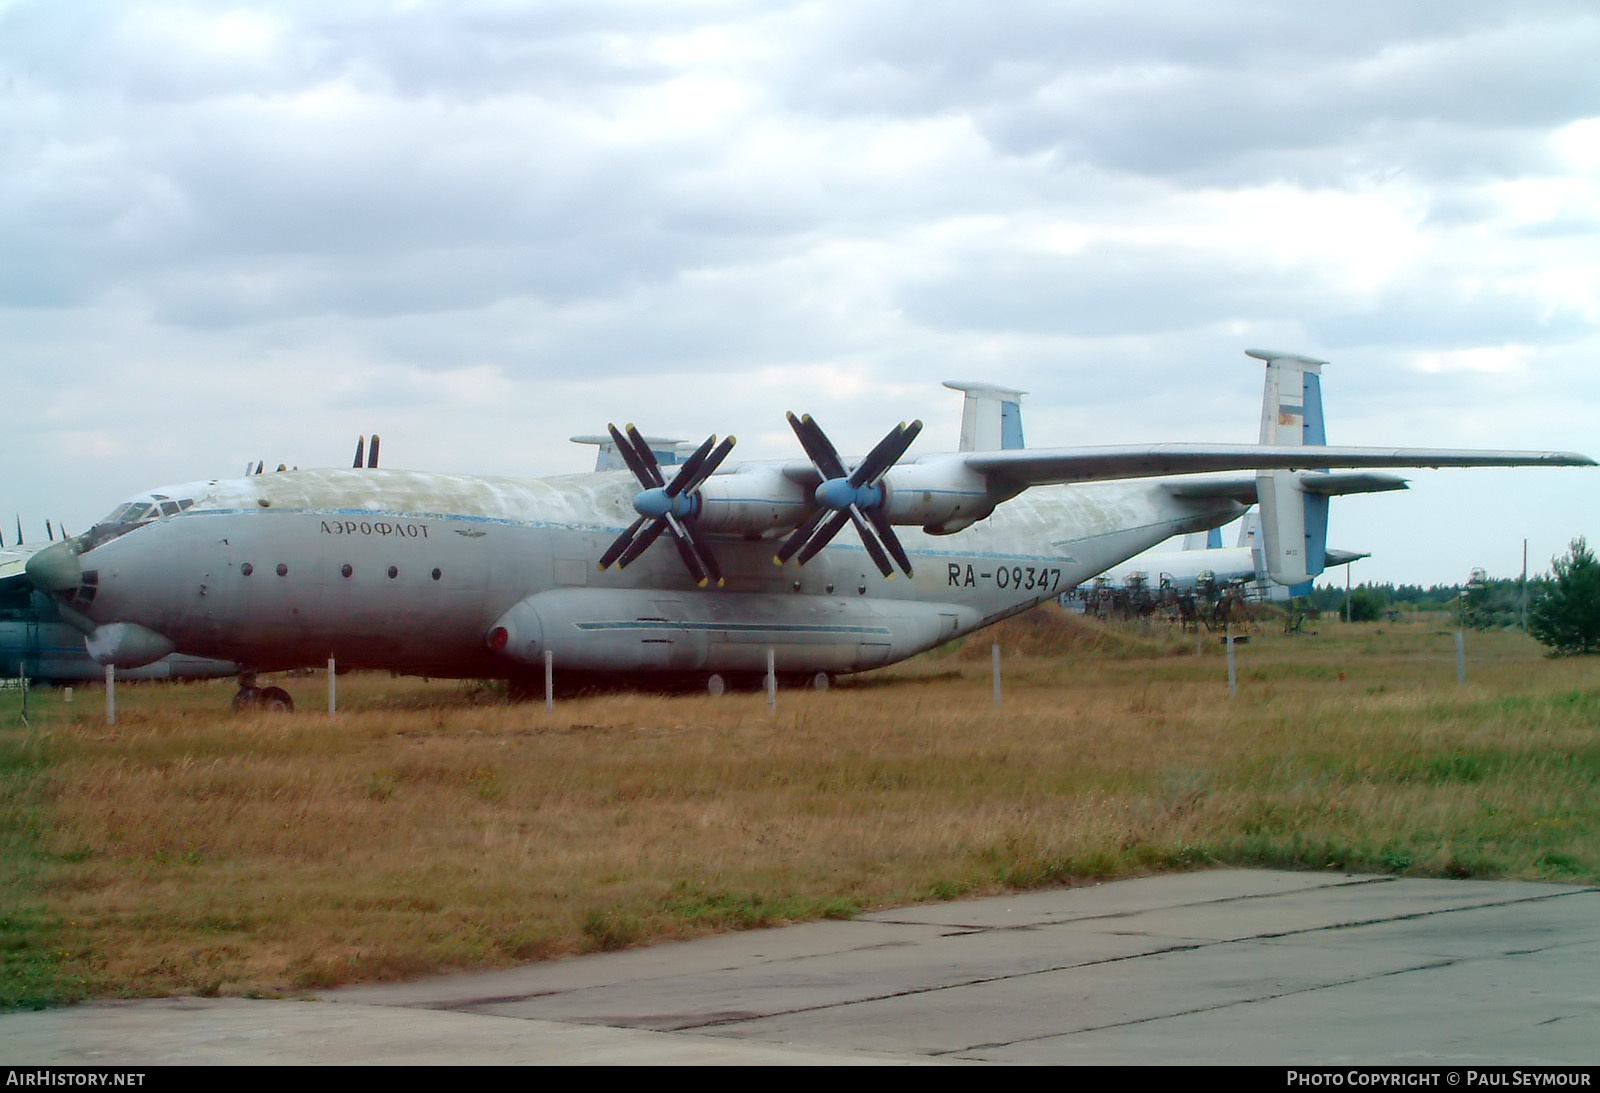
x=752, y=502
x=943, y=496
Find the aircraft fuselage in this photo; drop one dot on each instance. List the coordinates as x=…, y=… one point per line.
x=414, y=572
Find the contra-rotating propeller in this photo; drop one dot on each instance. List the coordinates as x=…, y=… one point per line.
x=849, y=496
x=667, y=506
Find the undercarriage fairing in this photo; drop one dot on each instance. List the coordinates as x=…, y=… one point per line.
x=635, y=630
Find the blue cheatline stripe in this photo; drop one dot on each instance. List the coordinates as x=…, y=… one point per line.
x=733, y=627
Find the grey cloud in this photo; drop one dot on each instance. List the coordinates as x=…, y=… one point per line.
x=1100, y=291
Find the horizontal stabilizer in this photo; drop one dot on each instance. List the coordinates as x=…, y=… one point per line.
x=1242, y=488
x=1345, y=557
x=1338, y=483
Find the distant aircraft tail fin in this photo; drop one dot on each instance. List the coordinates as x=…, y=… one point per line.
x=1294, y=520
x=665, y=449
x=991, y=417
x=1203, y=540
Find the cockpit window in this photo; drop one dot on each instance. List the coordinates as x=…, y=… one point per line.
x=131, y=514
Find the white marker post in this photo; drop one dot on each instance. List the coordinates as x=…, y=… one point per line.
x=111, y=694
x=772, y=682
x=1233, y=680
x=333, y=703
x=995, y=660
x=549, y=681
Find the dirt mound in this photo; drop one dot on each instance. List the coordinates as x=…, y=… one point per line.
x=1052, y=630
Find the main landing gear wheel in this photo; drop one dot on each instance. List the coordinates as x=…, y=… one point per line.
x=820, y=681
x=716, y=686
x=272, y=699
x=276, y=699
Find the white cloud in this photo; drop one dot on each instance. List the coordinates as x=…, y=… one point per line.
x=477, y=228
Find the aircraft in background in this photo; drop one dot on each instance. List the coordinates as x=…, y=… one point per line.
x=457, y=576
x=1205, y=565
x=36, y=644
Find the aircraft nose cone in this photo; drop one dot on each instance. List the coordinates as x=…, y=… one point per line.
x=55, y=569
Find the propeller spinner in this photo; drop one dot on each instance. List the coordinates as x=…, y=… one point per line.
x=667, y=506
x=855, y=496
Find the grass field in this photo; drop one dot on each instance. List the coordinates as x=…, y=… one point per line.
x=429, y=826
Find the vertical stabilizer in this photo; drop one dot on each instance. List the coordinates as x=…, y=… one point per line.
x=991, y=417
x=1294, y=523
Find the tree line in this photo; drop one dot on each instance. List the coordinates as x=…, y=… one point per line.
x=1561, y=610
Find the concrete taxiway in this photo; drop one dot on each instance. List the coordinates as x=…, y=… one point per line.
x=1215, y=967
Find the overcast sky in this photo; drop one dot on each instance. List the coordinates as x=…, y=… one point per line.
x=232, y=232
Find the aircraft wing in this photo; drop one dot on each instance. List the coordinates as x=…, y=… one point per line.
x=13, y=573
x=1242, y=488
x=1018, y=469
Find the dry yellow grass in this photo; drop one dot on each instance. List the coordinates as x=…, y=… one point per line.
x=428, y=826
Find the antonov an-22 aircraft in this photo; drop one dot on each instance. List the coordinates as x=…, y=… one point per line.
x=454, y=576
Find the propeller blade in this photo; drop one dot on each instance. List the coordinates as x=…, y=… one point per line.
x=361, y=449
x=703, y=550
x=883, y=456
x=646, y=457
x=715, y=460
x=614, y=551
x=870, y=540
x=823, y=535
x=686, y=551
x=797, y=538
x=818, y=448
x=644, y=467
x=260, y=465
x=641, y=542
x=690, y=467
x=372, y=453
x=880, y=524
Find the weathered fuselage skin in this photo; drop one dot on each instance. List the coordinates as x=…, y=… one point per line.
x=411, y=571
